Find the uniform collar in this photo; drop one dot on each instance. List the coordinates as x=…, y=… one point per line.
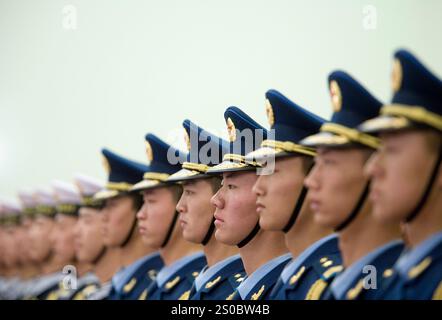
x=415, y=255
x=301, y=259
x=168, y=271
x=205, y=276
x=345, y=280
x=251, y=281
x=124, y=275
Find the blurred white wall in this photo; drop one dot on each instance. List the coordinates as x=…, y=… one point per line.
x=130, y=67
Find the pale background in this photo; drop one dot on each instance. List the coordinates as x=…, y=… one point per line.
x=131, y=67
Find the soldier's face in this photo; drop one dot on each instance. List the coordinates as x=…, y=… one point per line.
x=2, y=245
x=40, y=234
x=235, y=204
x=27, y=224
x=156, y=215
x=335, y=184
x=10, y=254
x=20, y=243
x=400, y=170
x=64, y=238
x=118, y=217
x=278, y=192
x=196, y=210
x=88, y=237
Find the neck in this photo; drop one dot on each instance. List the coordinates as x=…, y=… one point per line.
x=108, y=264
x=305, y=232
x=83, y=268
x=364, y=234
x=216, y=251
x=134, y=250
x=31, y=270
x=265, y=246
x=427, y=223
x=177, y=247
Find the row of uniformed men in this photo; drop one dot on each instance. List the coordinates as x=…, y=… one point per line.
x=349, y=208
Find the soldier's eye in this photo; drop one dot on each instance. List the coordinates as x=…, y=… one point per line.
x=329, y=161
x=231, y=187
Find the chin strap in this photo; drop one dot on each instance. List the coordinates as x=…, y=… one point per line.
x=297, y=210
x=298, y=206
x=131, y=231
x=356, y=209
x=209, y=233
x=172, y=226
x=251, y=235
x=427, y=190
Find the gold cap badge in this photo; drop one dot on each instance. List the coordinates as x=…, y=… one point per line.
x=149, y=151
x=106, y=164
x=269, y=112
x=396, y=75
x=187, y=140
x=231, y=129
x=336, y=96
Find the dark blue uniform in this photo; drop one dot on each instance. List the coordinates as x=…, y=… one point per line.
x=130, y=282
x=317, y=264
x=217, y=282
x=260, y=283
x=354, y=282
x=174, y=280
x=417, y=275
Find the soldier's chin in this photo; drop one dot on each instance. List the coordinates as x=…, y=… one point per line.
x=325, y=220
x=386, y=214
x=269, y=223
x=223, y=237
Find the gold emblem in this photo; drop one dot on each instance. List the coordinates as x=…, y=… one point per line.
x=258, y=294
x=327, y=264
x=79, y=296
x=316, y=290
x=106, y=164
x=240, y=279
x=323, y=260
x=417, y=270
x=269, y=113
x=149, y=151
x=437, y=295
x=185, y=295
x=152, y=274
x=298, y=275
x=388, y=273
x=143, y=295
x=231, y=129
x=332, y=271
x=354, y=292
x=52, y=296
x=336, y=96
x=86, y=292
x=231, y=296
x=195, y=274
x=172, y=283
x=396, y=75
x=210, y=284
x=187, y=139
x=238, y=275
x=129, y=286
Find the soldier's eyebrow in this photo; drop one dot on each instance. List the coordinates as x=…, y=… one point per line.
x=324, y=151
